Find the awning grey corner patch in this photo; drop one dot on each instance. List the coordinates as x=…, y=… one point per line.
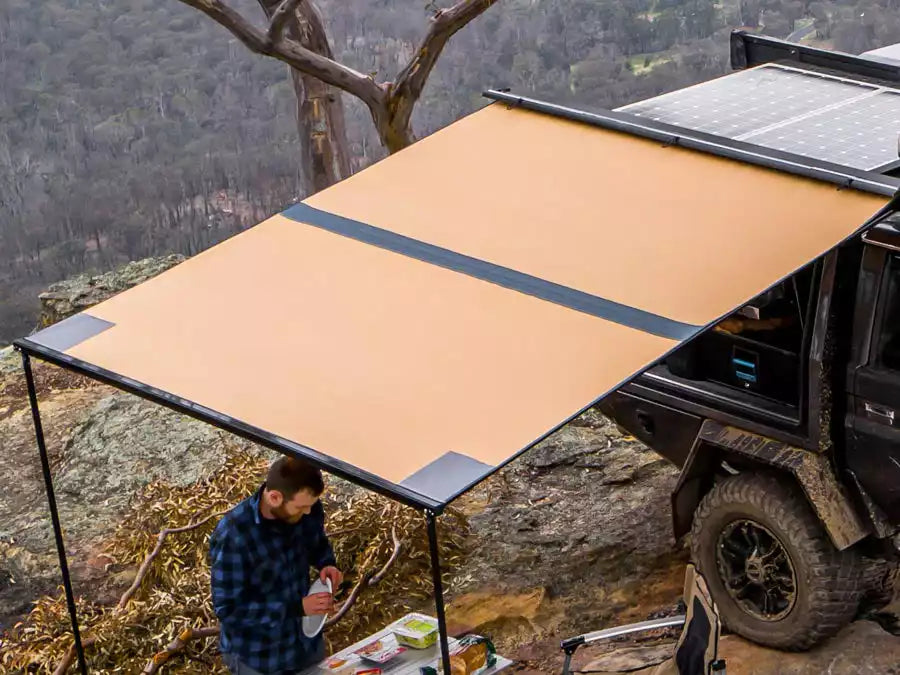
x=70, y=332
x=446, y=476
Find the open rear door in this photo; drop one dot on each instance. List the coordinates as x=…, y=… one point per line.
x=418, y=325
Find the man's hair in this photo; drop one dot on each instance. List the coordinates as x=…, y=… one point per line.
x=289, y=476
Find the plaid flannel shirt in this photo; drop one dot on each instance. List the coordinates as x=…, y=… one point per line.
x=260, y=574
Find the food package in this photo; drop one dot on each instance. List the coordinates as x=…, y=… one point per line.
x=367, y=671
x=379, y=651
x=471, y=655
x=341, y=663
x=416, y=631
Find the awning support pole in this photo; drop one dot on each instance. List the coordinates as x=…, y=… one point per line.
x=54, y=514
x=438, y=589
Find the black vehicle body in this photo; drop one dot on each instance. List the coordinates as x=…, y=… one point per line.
x=844, y=392
x=815, y=407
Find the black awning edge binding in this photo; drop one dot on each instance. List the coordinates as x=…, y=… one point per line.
x=234, y=426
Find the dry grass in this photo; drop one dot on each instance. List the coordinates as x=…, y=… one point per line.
x=175, y=593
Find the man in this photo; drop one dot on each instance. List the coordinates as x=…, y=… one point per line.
x=260, y=555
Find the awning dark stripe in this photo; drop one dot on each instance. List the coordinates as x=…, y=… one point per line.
x=496, y=274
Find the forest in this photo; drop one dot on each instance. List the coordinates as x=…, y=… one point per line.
x=133, y=128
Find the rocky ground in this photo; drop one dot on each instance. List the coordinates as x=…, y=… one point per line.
x=576, y=536
x=573, y=536
x=104, y=446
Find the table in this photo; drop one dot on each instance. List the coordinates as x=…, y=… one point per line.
x=407, y=663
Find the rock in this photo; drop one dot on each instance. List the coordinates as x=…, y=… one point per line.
x=10, y=361
x=585, y=516
x=123, y=444
x=630, y=659
x=65, y=298
x=567, y=516
x=104, y=445
x=862, y=648
x=888, y=617
x=484, y=612
x=561, y=449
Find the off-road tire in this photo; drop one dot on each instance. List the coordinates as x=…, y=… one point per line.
x=829, y=583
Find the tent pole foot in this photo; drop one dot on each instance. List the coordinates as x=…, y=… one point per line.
x=54, y=513
x=438, y=590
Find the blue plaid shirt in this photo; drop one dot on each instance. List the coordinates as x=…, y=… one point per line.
x=260, y=574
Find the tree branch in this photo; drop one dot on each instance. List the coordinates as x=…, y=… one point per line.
x=409, y=83
x=70, y=655
x=280, y=18
x=350, y=601
x=366, y=580
x=160, y=540
x=177, y=645
x=380, y=575
x=292, y=53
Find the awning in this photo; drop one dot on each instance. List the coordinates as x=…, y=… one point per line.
x=418, y=325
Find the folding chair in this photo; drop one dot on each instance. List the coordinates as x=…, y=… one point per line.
x=697, y=649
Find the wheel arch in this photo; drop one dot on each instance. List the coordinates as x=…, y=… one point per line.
x=717, y=443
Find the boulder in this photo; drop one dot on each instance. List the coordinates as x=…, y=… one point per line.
x=65, y=298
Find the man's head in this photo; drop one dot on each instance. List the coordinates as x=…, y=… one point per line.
x=292, y=489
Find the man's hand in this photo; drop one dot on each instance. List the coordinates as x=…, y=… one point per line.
x=332, y=573
x=318, y=603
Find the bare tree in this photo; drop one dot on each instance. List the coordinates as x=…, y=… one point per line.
x=390, y=103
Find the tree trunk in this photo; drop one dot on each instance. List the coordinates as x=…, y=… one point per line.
x=325, y=154
x=320, y=109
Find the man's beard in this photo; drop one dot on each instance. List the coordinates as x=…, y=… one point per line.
x=281, y=513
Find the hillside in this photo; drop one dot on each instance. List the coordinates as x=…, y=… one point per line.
x=140, y=128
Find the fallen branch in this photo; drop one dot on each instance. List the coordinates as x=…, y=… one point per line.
x=160, y=540
x=70, y=655
x=177, y=645
x=350, y=601
x=366, y=580
x=380, y=575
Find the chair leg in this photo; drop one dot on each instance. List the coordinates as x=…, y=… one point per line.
x=567, y=662
x=717, y=667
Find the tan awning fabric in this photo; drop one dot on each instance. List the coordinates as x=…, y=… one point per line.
x=419, y=324
x=604, y=212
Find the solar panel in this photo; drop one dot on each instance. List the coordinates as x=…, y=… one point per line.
x=863, y=135
x=812, y=114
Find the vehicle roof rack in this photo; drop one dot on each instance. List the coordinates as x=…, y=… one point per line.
x=750, y=49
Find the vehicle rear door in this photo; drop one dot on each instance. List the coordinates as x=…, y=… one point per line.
x=874, y=440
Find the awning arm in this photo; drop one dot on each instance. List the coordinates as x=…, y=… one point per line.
x=54, y=513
